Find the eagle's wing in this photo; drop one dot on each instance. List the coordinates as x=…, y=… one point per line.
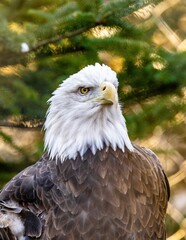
x=154, y=160
x=149, y=182
x=21, y=207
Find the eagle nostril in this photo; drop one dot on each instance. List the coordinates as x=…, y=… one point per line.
x=103, y=89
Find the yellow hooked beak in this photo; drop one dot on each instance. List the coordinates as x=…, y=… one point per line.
x=108, y=94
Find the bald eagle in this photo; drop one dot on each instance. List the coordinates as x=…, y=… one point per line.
x=92, y=183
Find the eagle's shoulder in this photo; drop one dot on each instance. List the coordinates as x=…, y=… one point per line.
x=21, y=203
x=22, y=187
x=152, y=160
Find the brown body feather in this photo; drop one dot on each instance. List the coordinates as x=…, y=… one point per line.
x=109, y=195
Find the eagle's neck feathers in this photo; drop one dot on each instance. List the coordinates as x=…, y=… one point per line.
x=68, y=135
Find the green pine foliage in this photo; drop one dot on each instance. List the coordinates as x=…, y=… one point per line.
x=64, y=36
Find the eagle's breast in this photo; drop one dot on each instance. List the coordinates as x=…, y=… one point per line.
x=112, y=194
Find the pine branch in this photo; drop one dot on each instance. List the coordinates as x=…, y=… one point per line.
x=101, y=19
x=58, y=37
x=24, y=125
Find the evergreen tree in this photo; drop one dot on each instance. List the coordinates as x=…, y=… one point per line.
x=43, y=42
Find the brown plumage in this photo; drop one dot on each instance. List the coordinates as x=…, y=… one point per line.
x=109, y=195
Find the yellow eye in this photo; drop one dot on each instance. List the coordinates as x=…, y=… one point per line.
x=84, y=90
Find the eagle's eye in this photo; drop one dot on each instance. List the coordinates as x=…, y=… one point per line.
x=84, y=90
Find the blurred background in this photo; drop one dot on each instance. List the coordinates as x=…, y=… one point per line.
x=43, y=42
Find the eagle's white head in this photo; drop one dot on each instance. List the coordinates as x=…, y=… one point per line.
x=84, y=114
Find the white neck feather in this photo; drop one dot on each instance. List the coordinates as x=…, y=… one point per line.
x=68, y=134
